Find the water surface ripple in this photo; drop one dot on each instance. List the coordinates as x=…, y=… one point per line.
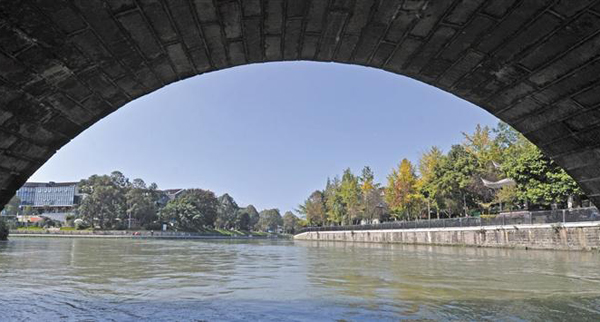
x=51, y=279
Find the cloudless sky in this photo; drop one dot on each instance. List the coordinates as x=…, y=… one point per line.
x=269, y=134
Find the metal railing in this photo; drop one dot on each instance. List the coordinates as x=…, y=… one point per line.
x=514, y=218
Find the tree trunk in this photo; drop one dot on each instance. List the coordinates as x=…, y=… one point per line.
x=428, y=210
x=465, y=204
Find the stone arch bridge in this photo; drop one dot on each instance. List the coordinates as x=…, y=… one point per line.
x=65, y=64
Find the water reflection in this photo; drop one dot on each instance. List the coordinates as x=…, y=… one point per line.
x=73, y=279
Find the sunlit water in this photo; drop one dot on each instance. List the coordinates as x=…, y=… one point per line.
x=130, y=280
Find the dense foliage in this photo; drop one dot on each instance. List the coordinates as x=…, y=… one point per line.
x=113, y=201
x=447, y=185
x=12, y=207
x=270, y=220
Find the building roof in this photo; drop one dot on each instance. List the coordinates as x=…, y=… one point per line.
x=49, y=184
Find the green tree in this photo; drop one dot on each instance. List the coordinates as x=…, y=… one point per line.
x=104, y=204
x=429, y=168
x=254, y=217
x=334, y=205
x=314, y=209
x=539, y=180
x=270, y=220
x=183, y=214
x=205, y=202
x=119, y=180
x=456, y=176
x=350, y=194
x=507, y=197
x=374, y=205
x=482, y=145
x=506, y=136
x=141, y=203
x=105, y=207
x=242, y=220
x=227, y=211
x=12, y=208
x=290, y=223
x=367, y=180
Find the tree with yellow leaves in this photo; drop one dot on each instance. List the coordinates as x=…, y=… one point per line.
x=373, y=206
x=401, y=192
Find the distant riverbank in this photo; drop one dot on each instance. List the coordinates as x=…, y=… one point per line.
x=137, y=234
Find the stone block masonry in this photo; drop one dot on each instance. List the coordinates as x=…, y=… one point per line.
x=64, y=65
x=568, y=236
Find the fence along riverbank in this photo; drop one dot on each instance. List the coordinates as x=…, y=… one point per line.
x=505, y=219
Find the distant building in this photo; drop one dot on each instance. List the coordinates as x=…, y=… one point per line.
x=50, y=199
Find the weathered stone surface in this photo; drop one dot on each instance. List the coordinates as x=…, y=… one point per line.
x=570, y=236
x=66, y=64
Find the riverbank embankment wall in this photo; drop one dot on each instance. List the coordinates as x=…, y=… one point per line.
x=568, y=236
x=135, y=235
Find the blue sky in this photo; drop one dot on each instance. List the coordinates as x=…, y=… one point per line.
x=269, y=134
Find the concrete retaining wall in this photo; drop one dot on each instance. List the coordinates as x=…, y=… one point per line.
x=569, y=236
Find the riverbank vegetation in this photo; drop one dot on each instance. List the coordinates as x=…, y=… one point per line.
x=114, y=202
x=448, y=184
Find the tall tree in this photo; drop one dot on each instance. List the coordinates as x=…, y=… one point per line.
x=372, y=201
x=141, y=203
x=539, y=180
x=290, y=223
x=314, y=209
x=457, y=175
x=12, y=207
x=401, y=192
x=119, y=180
x=183, y=214
x=270, y=220
x=105, y=207
x=334, y=205
x=506, y=136
x=483, y=147
x=254, y=217
x=350, y=194
x=205, y=201
x=429, y=168
x=104, y=204
x=242, y=220
x=367, y=180
x=374, y=205
x=226, y=212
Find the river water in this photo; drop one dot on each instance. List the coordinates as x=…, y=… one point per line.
x=51, y=279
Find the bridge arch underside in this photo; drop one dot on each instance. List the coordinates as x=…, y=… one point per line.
x=66, y=64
